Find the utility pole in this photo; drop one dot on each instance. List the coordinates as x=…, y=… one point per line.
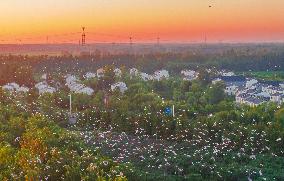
x=205, y=40
x=70, y=104
x=72, y=117
x=158, y=41
x=83, y=37
x=130, y=41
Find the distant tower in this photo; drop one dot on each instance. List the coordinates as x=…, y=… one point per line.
x=83, y=37
x=130, y=41
x=158, y=41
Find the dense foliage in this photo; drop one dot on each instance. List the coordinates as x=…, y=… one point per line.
x=209, y=138
x=35, y=148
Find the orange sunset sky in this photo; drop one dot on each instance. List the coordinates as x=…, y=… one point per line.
x=60, y=21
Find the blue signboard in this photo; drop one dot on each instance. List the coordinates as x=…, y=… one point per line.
x=168, y=111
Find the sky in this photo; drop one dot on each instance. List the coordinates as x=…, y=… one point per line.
x=60, y=21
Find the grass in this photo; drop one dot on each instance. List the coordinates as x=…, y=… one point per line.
x=266, y=75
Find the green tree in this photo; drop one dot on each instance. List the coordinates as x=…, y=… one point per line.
x=279, y=116
x=215, y=93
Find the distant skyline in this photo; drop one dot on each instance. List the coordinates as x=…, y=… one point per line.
x=60, y=21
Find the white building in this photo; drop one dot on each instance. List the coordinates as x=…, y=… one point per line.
x=23, y=89
x=70, y=79
x=231, y=89
x=11, y=87
x=227, y=73
x=100, y=72
x=85, y=90
x=90, y=75
x=161, y=74
x=50, y=90
x=276, y=97
x=251, y=82
x=146, y=76
x=133, y=72
x=208, y=70
x=249, y=100
x=189, y=74
x=119, y=85
x=263, y=94
x=265, y=87
x=76, y=87
x=240, y=98
x=214, y=81
x=43, y=87
x=14, y=87
x=273, y=90
x=280, y=90
x=253, y=101
x=249, y=91
x=117, y=72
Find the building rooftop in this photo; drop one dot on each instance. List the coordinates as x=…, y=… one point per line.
x=254, y=100
x=234, y=78
x=277, y=94
x=273, y=83
x=243, y=95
